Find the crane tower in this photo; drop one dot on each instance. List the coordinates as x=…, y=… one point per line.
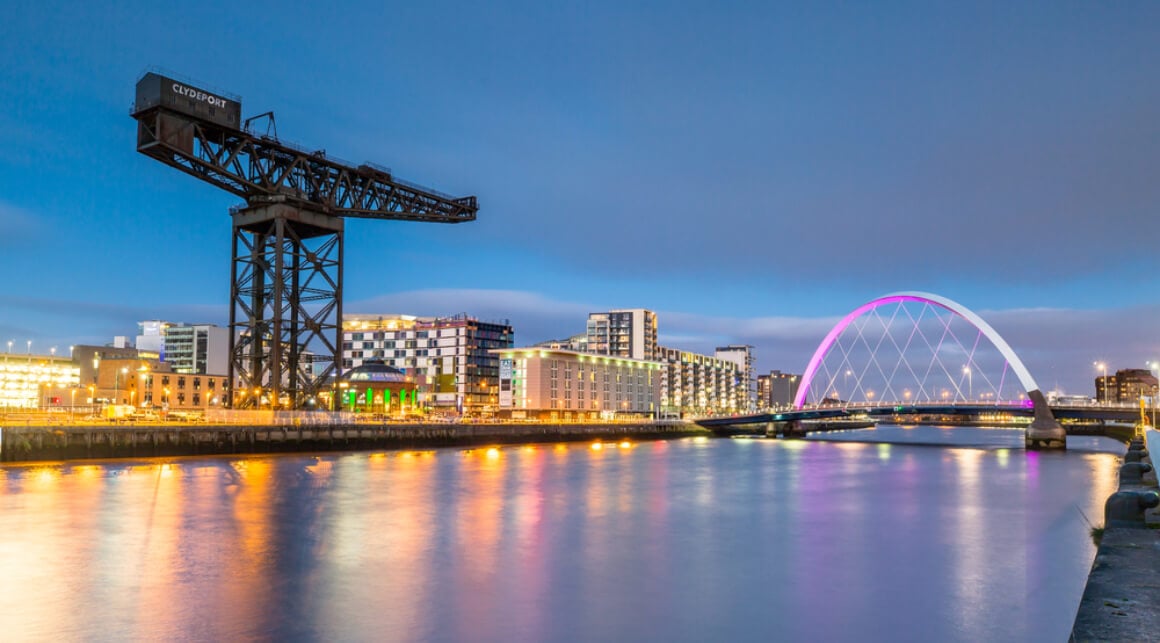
x=286, y=266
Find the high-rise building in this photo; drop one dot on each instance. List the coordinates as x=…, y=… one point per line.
x=629, y=333
x=777, y=389
x=449, y=357
x=187, y=348
x=742, y=356
x=698, y=384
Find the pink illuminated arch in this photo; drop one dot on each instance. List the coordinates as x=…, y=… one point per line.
x=1017, y=366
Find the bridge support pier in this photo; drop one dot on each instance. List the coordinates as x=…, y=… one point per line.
x=1045, y=432
x=792, y=429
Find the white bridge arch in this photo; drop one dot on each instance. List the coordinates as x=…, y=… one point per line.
x=1021, y=372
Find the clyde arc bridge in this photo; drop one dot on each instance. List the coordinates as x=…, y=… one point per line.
x=917, y=353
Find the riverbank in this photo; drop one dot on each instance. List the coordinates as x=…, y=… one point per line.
x=1122, y=599
x=41, y=443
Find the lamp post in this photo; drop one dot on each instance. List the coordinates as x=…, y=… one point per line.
x=970, y=382
x=142, y=377
x=1103, y=368
x=1154, y=366
x=96, y=372
x=117, y=384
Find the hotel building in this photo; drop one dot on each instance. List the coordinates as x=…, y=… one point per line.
x=546, y=384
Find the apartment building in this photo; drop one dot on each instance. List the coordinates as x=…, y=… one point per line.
x=450, y=358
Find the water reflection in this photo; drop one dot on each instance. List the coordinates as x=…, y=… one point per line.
x=683, y=540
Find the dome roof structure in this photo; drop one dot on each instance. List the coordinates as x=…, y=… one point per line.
x=374, y=371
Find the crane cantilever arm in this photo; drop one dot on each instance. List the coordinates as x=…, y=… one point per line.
x=259, y=166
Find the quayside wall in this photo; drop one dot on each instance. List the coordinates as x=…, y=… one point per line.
x=1121, y=601
x=41, y=443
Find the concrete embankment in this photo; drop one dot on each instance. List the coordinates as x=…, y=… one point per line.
x=1122, y=599
x=31, y=443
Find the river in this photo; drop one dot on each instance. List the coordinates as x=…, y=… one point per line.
x=684, y=540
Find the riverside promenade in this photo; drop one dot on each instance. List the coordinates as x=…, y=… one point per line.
x=29, y=443
x=1122, y=599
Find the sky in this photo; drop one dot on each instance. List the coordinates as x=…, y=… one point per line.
x=750, y=173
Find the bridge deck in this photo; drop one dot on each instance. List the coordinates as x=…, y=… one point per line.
x=1116, y=413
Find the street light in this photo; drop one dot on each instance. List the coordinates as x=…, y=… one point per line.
x=117, y=384
x=970, y=382
x=1154, y=366
x=142, y=374
x=1104, y=368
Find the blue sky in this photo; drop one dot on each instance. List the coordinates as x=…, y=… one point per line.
x=750, y=174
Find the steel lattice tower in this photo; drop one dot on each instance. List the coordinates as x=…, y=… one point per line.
x=286, y=262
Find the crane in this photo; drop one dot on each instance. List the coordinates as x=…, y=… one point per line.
x=287, y=250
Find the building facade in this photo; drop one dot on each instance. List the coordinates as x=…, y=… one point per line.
x=693, y=384
x=575, y=343
x=449, y=358
x=149, y=384
x=546, y=384
x=188, y=348
x=37, y=381
x=1127, y=386
x=374, y=387
x=742, y=356
x=628, y=333
x=776, y=390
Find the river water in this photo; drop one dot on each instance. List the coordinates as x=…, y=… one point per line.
x=682, y=540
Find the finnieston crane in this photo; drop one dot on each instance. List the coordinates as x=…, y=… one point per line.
x=286, y=270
